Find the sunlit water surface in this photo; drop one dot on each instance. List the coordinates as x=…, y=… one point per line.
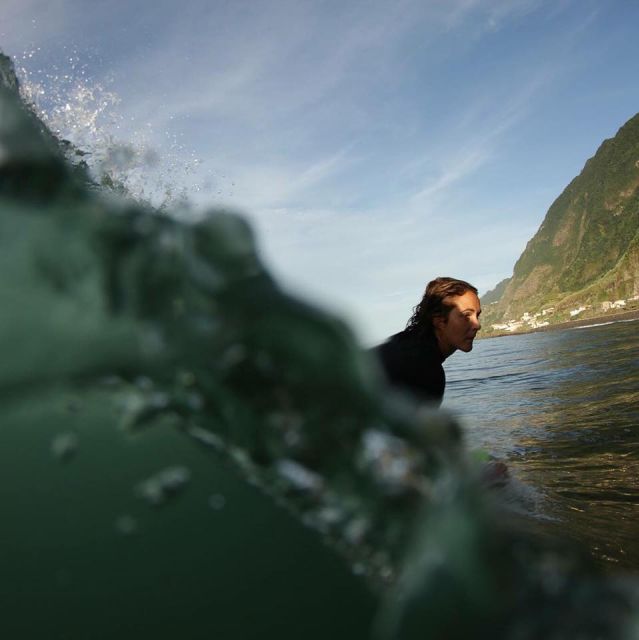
x=562, y=409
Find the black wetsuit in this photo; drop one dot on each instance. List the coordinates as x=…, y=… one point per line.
x=412, y=362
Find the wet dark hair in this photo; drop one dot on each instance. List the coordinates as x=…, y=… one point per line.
x=432, y=304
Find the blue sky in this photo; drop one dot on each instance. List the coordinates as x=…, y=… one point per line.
x=374, y=145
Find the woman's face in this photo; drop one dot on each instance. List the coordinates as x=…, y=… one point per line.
x=458, y=329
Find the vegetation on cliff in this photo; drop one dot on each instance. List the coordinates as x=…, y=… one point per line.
x=586, y=250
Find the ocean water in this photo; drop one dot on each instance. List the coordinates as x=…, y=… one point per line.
x=562, y=409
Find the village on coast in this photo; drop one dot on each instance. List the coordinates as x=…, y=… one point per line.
x=550, y=316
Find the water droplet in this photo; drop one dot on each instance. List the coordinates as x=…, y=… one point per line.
x=64, y=446
x=217, y=501
x=144, y=383
x=164, y=485
x=194, y=401
x=356, y=531
x=235, y=354
x=126, y=525
x=392, y=463
x=300, y=477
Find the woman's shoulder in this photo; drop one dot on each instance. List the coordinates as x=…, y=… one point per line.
x=410, y=344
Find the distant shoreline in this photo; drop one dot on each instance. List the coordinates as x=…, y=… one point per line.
x=571, y=324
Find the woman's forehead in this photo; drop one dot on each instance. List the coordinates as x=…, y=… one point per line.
x=466, y=301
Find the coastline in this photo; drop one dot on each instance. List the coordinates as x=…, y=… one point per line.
x=570, y=324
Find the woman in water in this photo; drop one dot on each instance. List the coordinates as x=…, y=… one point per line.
x=446, y=319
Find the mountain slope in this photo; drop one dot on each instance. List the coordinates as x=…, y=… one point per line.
x=586, y=250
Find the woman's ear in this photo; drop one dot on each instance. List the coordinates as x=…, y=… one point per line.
x=439, y=322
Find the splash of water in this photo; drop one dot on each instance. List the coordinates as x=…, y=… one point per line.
x=119, y=153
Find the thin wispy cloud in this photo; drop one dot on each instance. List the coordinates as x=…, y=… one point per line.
x=456, y=169
x=477, y=135
x=277, y=185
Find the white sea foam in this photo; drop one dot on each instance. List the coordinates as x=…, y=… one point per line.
x=603, y=324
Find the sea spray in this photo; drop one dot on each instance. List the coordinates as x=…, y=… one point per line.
x=134, y=158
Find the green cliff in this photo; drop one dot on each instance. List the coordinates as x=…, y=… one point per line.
x=586, y=251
